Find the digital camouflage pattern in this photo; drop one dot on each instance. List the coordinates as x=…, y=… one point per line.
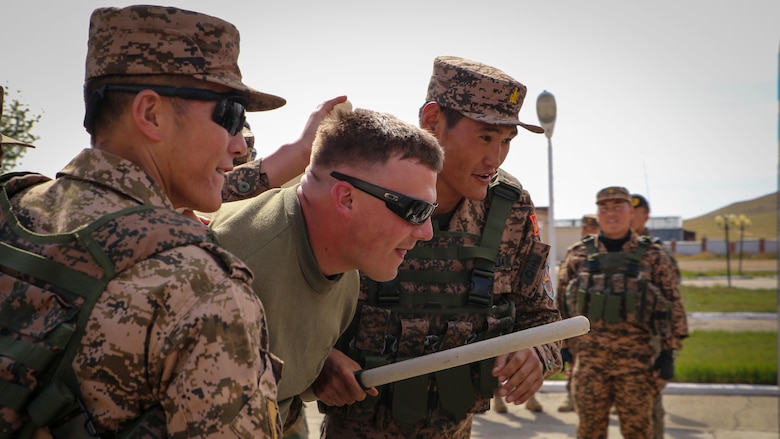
x=519, y=277
x=602, y=381
x=660, y=242
x=614, y=361
x=157, y=40
x=181, y=329
x=477, y=90
x=245, y=181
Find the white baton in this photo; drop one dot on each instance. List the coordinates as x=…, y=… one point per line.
x=469, y=353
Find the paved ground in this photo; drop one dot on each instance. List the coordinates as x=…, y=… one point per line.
x=689, y=416
x=693, y=411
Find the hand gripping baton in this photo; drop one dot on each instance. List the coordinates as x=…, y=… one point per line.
x=470, y=353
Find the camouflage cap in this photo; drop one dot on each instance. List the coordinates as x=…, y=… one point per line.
x=5, y=140
x=590, y=220
x=479, y=91
x=157, y=40
x=640, y=201
x=613, y=193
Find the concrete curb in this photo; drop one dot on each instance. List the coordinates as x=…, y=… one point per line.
x=556, y=386
x=734, y=315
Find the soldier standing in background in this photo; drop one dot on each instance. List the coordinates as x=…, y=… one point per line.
x=483, y=274
x=590, y=225
x=628, y=288
x=639, y=225
x=177, y=341
x=252, y=176
x=251, y=152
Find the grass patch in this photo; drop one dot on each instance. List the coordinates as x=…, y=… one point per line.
x=724, y=357
x=725, y=299
x=728, y=358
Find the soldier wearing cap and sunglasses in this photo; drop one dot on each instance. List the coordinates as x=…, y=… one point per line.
x=482, y=275
x=628, y=288
x=253, y=176
x=176, y=345
x=364, y=201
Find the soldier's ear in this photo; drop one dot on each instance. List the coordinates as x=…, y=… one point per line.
x=431, y=116
x=147, y=113
x=341, y=194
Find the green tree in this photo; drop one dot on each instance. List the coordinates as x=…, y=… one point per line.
x=17, y=121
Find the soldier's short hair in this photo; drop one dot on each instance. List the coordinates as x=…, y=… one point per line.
x=365, y=138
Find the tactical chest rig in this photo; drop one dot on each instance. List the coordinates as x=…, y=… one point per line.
x=393, y=325
x=612, y=287
x=48, y=286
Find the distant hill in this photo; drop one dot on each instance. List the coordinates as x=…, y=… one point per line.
x=761, y=211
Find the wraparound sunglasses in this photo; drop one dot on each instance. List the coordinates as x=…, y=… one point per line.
x=414, y=210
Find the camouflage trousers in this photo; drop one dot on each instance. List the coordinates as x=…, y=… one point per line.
x=600, y=380
x=338, y=426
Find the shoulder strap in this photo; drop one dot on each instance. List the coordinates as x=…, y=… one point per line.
x=503, y=195
x=591, y=245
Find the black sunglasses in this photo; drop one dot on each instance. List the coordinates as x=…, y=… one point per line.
x=414, y=210
x=230, y=112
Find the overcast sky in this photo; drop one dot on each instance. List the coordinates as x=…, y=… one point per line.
x=673, y=99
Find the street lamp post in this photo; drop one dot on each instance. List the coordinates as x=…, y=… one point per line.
x=743, y=222
x=546, y=111
x=724, y=222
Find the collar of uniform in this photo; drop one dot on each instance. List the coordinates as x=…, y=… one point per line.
x=118, y=174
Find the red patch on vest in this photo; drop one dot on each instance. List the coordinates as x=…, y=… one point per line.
x=536, y=226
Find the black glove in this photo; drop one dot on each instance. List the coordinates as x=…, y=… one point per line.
x=566, y=355
x=664, y=364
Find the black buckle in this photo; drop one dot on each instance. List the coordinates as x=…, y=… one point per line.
x=481, y=290
x=389, y=292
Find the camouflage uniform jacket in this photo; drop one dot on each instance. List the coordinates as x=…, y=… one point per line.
x=659, y=241
x=245, y=181
x=175, y=330
x=625, y=338
x=526, y=288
